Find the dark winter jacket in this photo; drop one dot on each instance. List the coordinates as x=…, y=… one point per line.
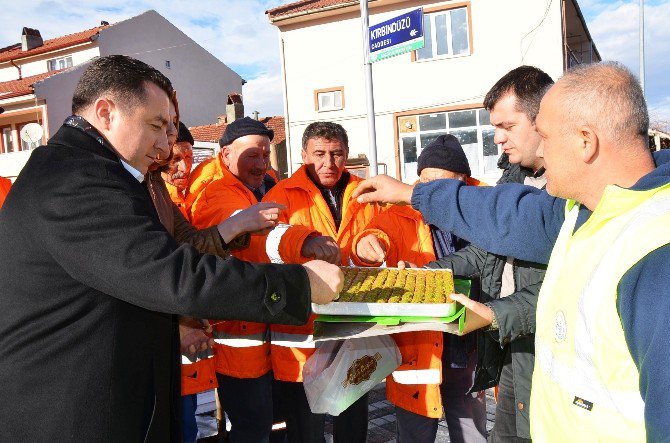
x=88, y=339
x=515, y=314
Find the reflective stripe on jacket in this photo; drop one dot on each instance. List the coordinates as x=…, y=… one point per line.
x=415, y=385
x=306, y=211
x=218, y=201
x=585, y=383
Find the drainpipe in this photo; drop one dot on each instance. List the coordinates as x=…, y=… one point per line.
x=17, y=67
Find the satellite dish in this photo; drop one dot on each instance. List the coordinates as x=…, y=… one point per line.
x=31, y=133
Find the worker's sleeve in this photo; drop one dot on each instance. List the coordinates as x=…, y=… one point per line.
x=466, y=263
x=644, y=308
x=515, y=314
x=110, y=239
x=284, y=243
x=509, y=219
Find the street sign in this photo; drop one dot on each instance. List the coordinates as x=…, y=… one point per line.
x=397, y=35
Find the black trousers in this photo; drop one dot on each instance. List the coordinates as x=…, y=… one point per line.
x=248, y=404
x=351, y=426
x=504, y=427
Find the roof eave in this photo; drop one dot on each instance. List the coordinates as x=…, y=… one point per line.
x=283, y=18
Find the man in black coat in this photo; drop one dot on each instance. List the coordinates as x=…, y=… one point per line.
x=90, y=280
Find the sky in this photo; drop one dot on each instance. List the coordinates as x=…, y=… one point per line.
x=238, y=33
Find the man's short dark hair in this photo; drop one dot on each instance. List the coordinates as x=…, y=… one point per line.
x=326, y=130
x=527, y=83
x=122, y=76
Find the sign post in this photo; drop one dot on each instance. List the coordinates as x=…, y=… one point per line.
x=369, y=95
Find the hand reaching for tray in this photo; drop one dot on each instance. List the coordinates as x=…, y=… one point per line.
x=323, y=248
x=371, y=250
x=477, y=316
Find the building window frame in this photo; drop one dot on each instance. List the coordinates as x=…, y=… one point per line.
x=58, y=63
x=5, y=147
x=431, y=12
x=333, y=93
x=408, y=128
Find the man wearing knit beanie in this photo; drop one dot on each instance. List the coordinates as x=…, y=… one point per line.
x=239, y=135
x=400, y=234
x=442, y=156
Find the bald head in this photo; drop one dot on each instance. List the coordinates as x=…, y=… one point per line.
x=593, y=124
x=607, y=97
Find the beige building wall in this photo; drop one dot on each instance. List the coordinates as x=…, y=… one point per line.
x=202, y=81
x=327, y=53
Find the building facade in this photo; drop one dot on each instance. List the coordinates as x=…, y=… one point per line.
x=431, y=91
x=38, y=77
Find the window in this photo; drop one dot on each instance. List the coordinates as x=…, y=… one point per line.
x=446, y=34
x=56, y=64
x=471, y=127
x=7, y=141
x=331, y=99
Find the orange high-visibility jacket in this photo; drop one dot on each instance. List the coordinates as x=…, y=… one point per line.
x=306, y=207
x=5, y=184
x=205, y=173
x=198, y=375
x=242, y=349
x=407, y=237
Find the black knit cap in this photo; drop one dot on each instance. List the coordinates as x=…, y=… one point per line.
x=244, y=126
x=184, y=134
x=444, y=153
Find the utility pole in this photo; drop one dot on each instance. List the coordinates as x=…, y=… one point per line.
x=642, y=45
x=369, y=94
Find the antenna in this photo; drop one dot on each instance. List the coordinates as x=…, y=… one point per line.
x=31, y=133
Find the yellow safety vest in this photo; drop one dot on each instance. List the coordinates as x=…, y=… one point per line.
x=585, y=383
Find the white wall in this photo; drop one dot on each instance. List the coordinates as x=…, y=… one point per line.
x=38, y=64
x=202, y=81
x=328, y=53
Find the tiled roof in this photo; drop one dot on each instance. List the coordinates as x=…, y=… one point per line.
x=212, y=133
x=14, y=52
x=304, y=6
x=24, y=86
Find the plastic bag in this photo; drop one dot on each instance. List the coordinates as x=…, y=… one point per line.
x=340, y=372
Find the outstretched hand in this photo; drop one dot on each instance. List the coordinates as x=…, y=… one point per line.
x=383, y=189
x=321, y=247
x=260, y=218
x=477, y=315
x=325, y=281
x=193, y=336
x=371, y=250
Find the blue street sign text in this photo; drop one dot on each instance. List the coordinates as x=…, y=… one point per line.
x=395, y=31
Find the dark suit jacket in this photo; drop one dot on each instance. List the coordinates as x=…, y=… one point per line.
x=89, y=283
